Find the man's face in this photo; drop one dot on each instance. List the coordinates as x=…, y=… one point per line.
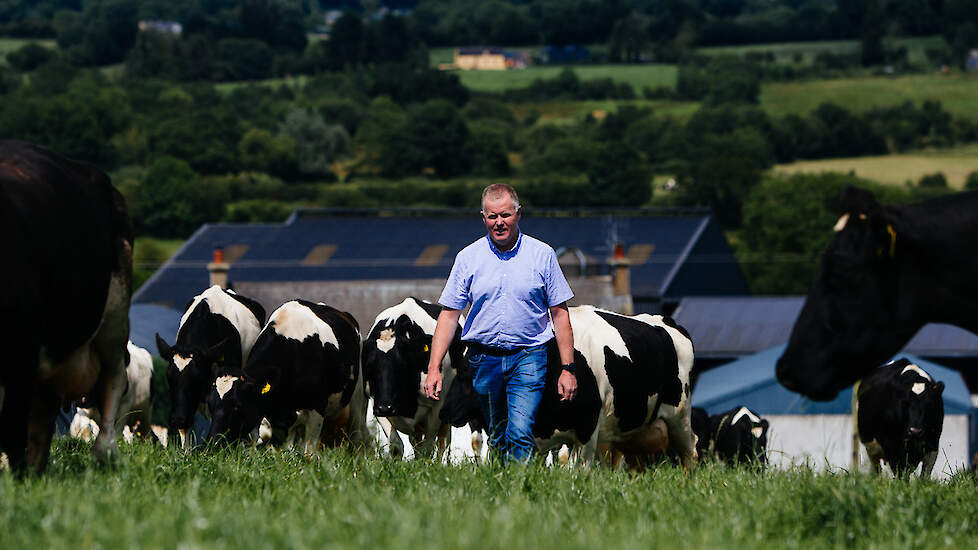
x=502, y=220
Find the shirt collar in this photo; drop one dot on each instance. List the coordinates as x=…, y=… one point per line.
x=509, y=253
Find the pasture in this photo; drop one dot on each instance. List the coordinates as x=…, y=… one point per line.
x=163, y=498
x=955, y=163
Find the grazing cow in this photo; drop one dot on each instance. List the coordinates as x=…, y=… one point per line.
x=633, y=390
x=135, y=405
x=899, y=416
x=303, y=370
x=395, y=364
x=739, y=436
x=890, y=270
x=699, y=420
x=66, y=286
x=216, y=333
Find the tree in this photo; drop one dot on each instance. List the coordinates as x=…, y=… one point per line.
x=262, y=151
x=434, y=137
x=29, y=57
x=318, y=144
x=630, y=39
x=172, y=201
x=619, y=177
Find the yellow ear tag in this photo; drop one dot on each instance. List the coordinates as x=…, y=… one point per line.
x=266, y=389
x=426, y=347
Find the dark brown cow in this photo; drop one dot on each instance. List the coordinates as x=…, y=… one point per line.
x=65, y=289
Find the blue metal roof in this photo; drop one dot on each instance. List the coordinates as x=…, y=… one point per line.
x=750, y=382
x=368, y=245
x=733, y=326
x=145, y=320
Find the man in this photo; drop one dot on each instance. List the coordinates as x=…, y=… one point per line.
x=516, y=288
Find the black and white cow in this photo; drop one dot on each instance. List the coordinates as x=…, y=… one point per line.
x=633, y=390
x=899, y=416
x=890, y=270
x=66, y=286
x=395, y=363
x=216, y=334
x=303, y=375
x=739, y=436
x=135, y=405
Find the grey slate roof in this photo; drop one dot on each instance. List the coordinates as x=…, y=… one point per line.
x=734, y=326
x=674, y=253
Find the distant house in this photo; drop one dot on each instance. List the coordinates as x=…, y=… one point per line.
x=488, y=59
x=971, y=63
x=165, y=27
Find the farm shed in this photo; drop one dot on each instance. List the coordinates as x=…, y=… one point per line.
x=820, y=433
x=725, y=328
x=365, y=259
x=145, y=320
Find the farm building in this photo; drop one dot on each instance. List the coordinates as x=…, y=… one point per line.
x=488, y=59
x=819, y=434
x=363, y=261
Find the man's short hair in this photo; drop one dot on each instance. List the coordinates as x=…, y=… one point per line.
x=498, y=189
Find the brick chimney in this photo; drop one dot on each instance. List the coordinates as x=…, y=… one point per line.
x=621, y=279
x=218, y=269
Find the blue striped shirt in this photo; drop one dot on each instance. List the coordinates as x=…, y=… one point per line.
x=510, y=292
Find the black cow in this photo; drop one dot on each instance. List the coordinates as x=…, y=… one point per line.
x=890, y=270
x=66, y=285
x=304, y=369
x=395, y=362
x=216, y=333
x=900, y=416
x=739, y=436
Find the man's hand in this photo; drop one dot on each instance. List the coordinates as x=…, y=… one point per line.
x=566, y=386
x=432, y=383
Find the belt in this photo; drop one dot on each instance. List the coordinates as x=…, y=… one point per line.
x=492, y=350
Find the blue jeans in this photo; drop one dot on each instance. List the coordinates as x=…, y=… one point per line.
x=510, y=388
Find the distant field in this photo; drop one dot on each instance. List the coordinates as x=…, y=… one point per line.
x=569, y=111
x=955, y=164
x=956, y=92
x=639, y=76
x=916, y=47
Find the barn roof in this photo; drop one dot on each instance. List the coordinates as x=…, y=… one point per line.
x=145, y=320
x=734, y=326
x=673, y=252
x=750, y=382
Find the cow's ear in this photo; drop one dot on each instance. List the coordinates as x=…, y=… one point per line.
x=939, y=387
x=856, y=200
x=166, y=352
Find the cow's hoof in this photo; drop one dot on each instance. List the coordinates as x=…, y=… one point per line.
x=106, y=453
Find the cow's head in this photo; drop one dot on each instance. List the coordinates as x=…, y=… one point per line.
x=233, y=404
x=741, y=436
x=394, y=356
x=919, y=398
x=190, y=372
x=853, y=317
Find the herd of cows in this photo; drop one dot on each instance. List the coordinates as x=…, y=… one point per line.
x=306, y=375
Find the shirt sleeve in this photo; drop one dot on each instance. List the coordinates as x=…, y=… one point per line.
x=456, y=293
x=558, y=291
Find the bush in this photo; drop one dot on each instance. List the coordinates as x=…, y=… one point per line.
x=29, y=57
x=935, y=181
x=971, y=183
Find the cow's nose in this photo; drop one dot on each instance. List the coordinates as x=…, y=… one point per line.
x=384, y=410
x=914, y=432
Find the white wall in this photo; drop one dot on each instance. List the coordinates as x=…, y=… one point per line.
x=824, y=442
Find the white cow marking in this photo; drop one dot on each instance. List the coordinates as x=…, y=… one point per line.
x=181, y=362
x=413, y=311
x=224, y=384
x=297, y=322
x=918, y=388
x=241, y=317
x=918, y=370
x=385, y=342
x=745, y=411
x=841, y=224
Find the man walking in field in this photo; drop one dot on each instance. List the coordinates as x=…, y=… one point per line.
x=518, y=295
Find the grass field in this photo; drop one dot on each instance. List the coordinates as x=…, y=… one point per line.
x=954, y=163
x=639, y=76
x=162, y=498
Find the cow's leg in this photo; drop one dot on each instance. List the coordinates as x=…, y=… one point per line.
x=40, y=428
x=314, y=428
x=930, y=458
x=682, y=438
x=395, y=447
x=13, y=428
x=875, y=452
x=356, y=426
x=110, y=348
